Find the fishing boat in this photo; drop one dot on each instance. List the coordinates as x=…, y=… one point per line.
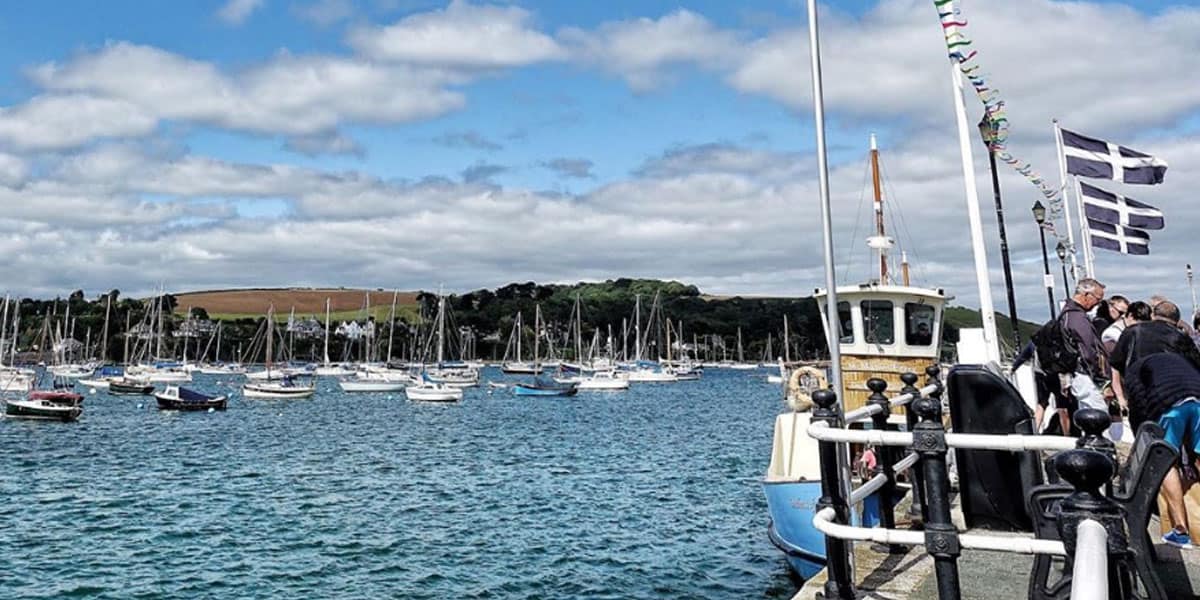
x=43, y=409
x=544, y=386
x=181, y=398
x=131, y=387
x=885, y=328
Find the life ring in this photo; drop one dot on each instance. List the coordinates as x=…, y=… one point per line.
x=803, y=382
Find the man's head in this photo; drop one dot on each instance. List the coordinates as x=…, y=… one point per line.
x=1166, y=311
x=1157, y=299
x=1088, y=293
x=1118, y=305
x=1139, y=312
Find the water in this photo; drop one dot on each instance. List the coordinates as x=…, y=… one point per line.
x=650, y=493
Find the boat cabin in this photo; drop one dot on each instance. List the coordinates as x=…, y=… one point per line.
x=885, y=330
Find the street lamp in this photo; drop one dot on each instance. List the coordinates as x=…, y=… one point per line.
x=988, y=131
x=1062, y=258
x=1039, y=215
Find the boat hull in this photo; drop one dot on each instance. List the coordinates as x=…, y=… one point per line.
x=125, y=389
x=434, y=394
x=168, y=403
x=792, y=506
x=371, y=386
x=276, y=392
x=524, y=390
x=597, y=385
x=41, y=410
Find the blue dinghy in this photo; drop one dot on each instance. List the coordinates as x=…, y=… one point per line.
x=544, y=386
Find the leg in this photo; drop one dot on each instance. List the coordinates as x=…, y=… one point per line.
x=1064, y=419
x=1039, y=414
x=1172, y=488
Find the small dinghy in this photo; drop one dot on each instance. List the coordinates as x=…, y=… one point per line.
x=542, y=386
x=36, y=408
x=130, y=387
x=431, y=391
x=178, y=398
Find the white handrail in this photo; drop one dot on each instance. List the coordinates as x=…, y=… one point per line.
x=870, y=410
x=821, y=431
x=876, y=482
x=823, y=522
x=1089, y=578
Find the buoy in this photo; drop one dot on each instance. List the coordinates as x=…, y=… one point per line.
x=91, y=390
x=210, y=409
x=140, y=405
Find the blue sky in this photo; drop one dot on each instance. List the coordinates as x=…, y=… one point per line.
x=393, y=143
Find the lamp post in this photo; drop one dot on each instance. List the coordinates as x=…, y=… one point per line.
x=1193, y=289
x=987, y=131
x=1062, y=258
x=1039, y=215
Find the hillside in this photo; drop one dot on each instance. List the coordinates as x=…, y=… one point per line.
x=958, y=317
x=249, y=303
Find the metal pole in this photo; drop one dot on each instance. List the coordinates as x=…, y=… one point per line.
x=916, y=510
x=840, y=455
x=840, y=583
x=941, y=538
x=886, y=459
x=986, y=310
x=1047, y=279
x=1062, y=191
x=1192, y=288
x=1066, y=284
x=1008, y=280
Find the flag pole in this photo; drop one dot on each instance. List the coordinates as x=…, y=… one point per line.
x=1085, y=234
x=844, y=587
x=986, y=311
x=1062, y=190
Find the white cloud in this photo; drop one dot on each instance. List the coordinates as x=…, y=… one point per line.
x=57, y=121
x=13, y=170
x=235, y=12
x=461, y=35
x=639, y=50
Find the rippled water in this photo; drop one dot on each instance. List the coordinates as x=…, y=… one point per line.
x=648, y=493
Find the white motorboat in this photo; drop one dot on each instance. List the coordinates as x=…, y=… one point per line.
x=433, y=392
x=333, y=371
x=10, y=382
x=227, y=369
x=603, y=380
x=366, y=385
x=651, y=376
x=461, y=378
x=101, y=383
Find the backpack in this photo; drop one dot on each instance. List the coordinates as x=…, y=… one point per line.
x=1055, y=348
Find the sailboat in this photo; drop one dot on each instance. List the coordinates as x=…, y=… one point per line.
x=517, y=366
x=431, y=389
x=327, y=368
x=741, y=364
x=285, y=388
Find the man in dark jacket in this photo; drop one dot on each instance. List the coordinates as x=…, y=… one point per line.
x=1165, y=387
x=1090, y=373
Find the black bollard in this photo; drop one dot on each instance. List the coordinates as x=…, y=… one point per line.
x=916, y=510
x=837, y=552
x=1093, y=423
x=885, y=459
x=1087, y=471
x=941, y=538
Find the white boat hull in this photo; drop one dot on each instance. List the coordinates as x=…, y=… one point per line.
x=602, y=384
x=433, y=393
x=371, y=386
x=276, y=391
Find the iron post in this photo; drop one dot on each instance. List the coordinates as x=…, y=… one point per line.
x=1086, y=471
x=1039, y=215
x=886, y=459
x=1061, y=250
x=916, y=510
x=987, y=130
x=837, y=552
x=941, y=537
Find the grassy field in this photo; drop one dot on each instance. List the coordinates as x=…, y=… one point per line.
x=345, y=304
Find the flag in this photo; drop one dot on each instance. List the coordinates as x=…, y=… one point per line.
x=1125, y=240
x=1111, y=208
x=1090, y=157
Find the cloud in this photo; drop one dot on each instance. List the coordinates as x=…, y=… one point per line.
x=462, y=35
x=467, y=139
x=235, y=12
x=481, y=172
x=126, y=90
x=325, y=12
x=580, y=168
x=640, y=50
x=13, y=170
x=324, y=143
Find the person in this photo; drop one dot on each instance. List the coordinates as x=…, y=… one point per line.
x=867, y=462
x=1042, y=389
x=1108, y=312
x=922, y=336
x=1164, y=387
x=1135, y=312
x=1160, y=335
x=1089, y=376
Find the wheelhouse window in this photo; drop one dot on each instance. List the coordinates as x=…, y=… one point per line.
x=845, y=323
x=918, y=324
x=879, y=325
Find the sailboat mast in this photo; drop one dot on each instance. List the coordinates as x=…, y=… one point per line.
x=270, y=338
x=787, y=346
x=327, y=332
x=392, y=324
x=104, y=333
x=741, y=356
x=128, y=316
x=441, y=323
x=879, y=231
x=4, y=328
x=578, y=330
x=217, y=354
x=520, y=333
x=537, y=331
x=637, y=327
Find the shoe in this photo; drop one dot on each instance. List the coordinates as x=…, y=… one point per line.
x=1175, y=538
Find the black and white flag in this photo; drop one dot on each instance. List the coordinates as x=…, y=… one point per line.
x=1114, y=209
x=1125, y=240
x=1090, y=157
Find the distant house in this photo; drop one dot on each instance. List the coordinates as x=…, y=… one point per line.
x=305, y=328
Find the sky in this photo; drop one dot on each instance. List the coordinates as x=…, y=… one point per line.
x=413, y=144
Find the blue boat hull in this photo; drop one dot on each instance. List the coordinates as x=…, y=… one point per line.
x=792, y=506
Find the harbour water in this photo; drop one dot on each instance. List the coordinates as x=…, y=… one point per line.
x=650, y=493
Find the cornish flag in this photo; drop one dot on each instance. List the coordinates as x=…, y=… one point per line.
x=1090, y=157
x=1118, y=239
x=1110, y=208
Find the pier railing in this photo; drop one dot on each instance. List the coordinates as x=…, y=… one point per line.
x=1092, y=538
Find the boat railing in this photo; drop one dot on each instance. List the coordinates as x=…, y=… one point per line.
x=1089, y=535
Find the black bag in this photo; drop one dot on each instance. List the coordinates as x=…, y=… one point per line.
x=1056, y=348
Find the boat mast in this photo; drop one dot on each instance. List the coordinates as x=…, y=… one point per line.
x=217, y=354
x=327, y=331
x=104, y=334
x=392, y=324
x=879, y=231
x=291, y=332
x=537, y=331
x=128, y=316
x=787, y=346
x=159, y=336
x=520, y=331
x=741, y=358
x=270, y=338
x=986, y=310
x=578, y=330
x=16, y=333
x=441, y=323
x=637, y=327
x=3, y=329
